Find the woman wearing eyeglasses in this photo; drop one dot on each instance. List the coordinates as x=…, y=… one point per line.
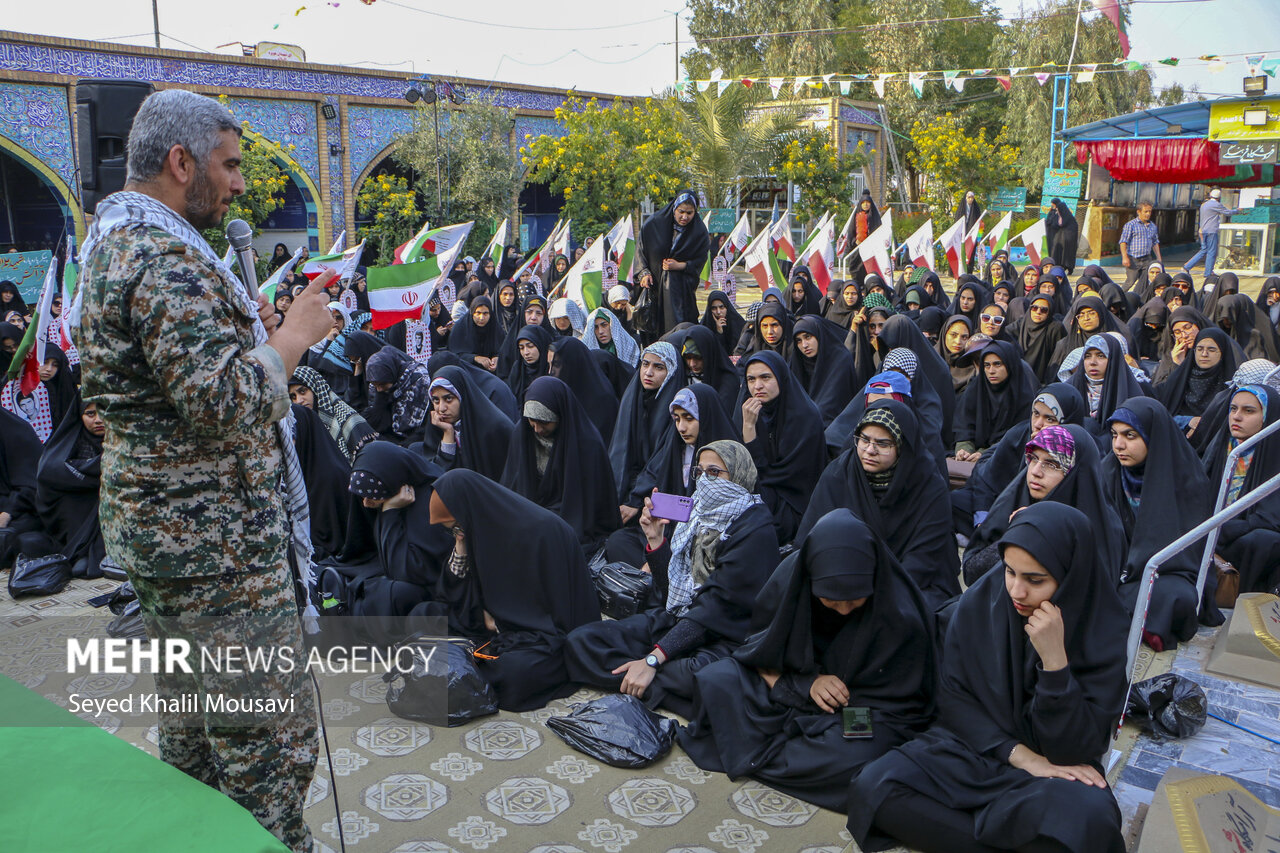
x=1195, y=382
x=889, y=479
x=1062, y=465
x=1038, y=334
x=706, y=572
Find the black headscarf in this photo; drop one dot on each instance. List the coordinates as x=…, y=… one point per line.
x=491, y=386
x=1039, y=339
x=1146, y=327
x=63, y=393
x=488, y=278
x=1250, y=327
x=809, y=302
x=572, y=364
x=1173, y=495
x=326, y=473
x=643, y=418
x=401, y=413
x=912, y=513
x=1188, y=390
x=828, y=378
x=784, y=344
x=16, y=304
x=665, y=469
x=67, y=482
x=507, y=317
x=883, y=650
x=930, y=321
x=1114, y=298
x=734, y=322
x=19, y=456
x=577, y=484
x=467, y=339
x=789, y=449
x=483, y=431
x=981, y=299
x=1062, y=233
x=10, y=332
x=837, y=310
x=717, y=370
x=985, y=411
x=1118, y=382
x=962, y=369
x=522, y=372
x=899, y=331
x=1183, y=314
x=1081, y=488
x=509, y=358
x=673, y=290
x=1271, y=285
x=1076, y=336
x=1226, y=284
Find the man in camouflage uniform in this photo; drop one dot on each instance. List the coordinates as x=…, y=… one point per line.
x=192, y=503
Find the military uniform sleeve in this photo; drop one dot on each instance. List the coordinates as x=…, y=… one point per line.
x=198, y=340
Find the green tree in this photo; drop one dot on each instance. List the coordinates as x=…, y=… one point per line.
x=952, y=161
x=731, y=135
x=480, y=168
x=1047, y=37
x=811, y=162
x=724, y=33
x=391, y=206
x=609, y=159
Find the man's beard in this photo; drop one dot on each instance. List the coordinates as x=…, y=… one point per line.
x=202, y=202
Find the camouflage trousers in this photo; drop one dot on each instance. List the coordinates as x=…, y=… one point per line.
x=263, y=758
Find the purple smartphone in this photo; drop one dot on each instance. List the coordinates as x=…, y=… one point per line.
x=671, y=507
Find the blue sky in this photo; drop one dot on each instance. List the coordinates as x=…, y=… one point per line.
x=610, y=47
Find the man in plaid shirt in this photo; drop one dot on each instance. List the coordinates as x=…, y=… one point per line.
x=1139, y=245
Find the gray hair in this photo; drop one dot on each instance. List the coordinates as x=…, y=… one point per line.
x=175, y=117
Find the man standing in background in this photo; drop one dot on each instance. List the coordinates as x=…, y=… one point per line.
x=1139, y=245
x=1211, y=213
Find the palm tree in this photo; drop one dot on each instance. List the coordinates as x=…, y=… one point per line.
x=731, y=135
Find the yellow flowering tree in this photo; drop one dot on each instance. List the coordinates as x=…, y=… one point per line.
x=608, y=159
x=954, y=161
x=824, y=175
x=391, y=206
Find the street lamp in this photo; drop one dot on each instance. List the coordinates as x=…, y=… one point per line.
x=430, y=92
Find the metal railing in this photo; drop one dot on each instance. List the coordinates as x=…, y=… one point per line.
x=1208, y=526
x=1212, y=541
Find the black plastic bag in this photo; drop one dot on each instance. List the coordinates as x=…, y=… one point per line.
x=1168, y=706
x=121, y=597
x=39, y=575
x=643, y=311
x=617, y=729
x=128, y=625
x=623, y=590
x=444, y=687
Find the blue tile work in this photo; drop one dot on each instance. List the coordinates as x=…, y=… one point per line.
x=371, y=129
x=848, y=113
x=37, y=118
x=535, y=126
x=286, y=123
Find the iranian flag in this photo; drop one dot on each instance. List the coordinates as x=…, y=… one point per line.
x=817, y=229
x=622, y=246
x=846, y=234
x=999, y=237
x=819, y=254
x=780, y=235
x=536, y=259
x=31, y=350
x=428, y=241
x=70, y=275
x=971, y=238
x=497, y=245
x=1036, y=240
x=953, y=244
x=739, y=237
x=875, y=251
x=340, y=245
x=561, y=244
x=400, y=291
x=920, y=245
x=345, y=262
x=268, y=288
x=584, y=282
x=762, y=263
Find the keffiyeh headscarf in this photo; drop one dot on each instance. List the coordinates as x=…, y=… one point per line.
x=717, y=503
x=753, y=311
x=619, y=293
x=686, y=400
x=338, y=418
x=667, y=353
x=1253, y=372
x=132, y=209
x=901, y=359
x=624, y=346
x=876, y=300
x=566, y=307
x=1058, y=443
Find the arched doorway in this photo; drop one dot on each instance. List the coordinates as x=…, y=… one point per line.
x=384, y=164
x=36, y=208
x=301, y=219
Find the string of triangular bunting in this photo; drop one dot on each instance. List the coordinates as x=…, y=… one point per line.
x=1083, y=72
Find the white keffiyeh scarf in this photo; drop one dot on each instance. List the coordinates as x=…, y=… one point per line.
x=717, y=503
x=132, y=209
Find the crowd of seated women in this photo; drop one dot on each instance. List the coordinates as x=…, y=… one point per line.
x=476, y=464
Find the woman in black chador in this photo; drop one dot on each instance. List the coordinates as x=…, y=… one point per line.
x=671, y=251
x=1031, y=685
x=842, y=624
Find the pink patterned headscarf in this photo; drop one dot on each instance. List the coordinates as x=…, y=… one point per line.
x=1058, y=443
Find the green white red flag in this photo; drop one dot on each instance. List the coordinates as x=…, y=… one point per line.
x=344, y=262
x=877, y=249
x=920, y=245
x=761, y=261
x=1036, y=239
x=819, y=253
x=999, y=237
x=622, y=247
x=30, y=352
x=268, y=288
x=537, y=260
x=497, y=245
x=738, y=240
x=953, y=245
x=584, y=282
x=400, y=291
x=780, y=235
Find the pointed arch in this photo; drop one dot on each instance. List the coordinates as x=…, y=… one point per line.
x=311, y=195
x=68, y=200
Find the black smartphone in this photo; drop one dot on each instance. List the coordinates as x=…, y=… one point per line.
x=857, y=723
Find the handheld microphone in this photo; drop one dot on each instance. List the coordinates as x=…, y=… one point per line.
x=240, y=236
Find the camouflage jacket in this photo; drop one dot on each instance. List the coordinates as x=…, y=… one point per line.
x=191, y=465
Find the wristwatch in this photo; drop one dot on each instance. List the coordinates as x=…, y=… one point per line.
x=652, y=660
